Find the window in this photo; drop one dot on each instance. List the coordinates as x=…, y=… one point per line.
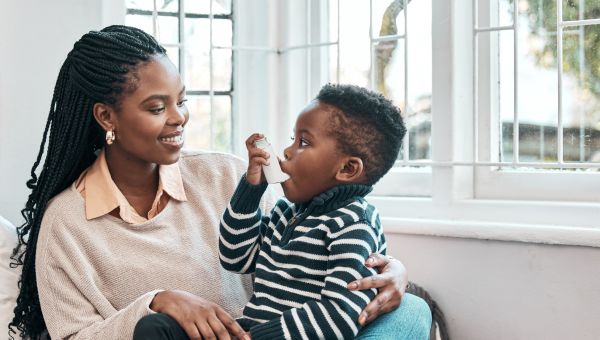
x=193, y=32
x=502, y=143
x=537, y=99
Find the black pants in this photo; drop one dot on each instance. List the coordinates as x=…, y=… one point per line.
x=158, y=327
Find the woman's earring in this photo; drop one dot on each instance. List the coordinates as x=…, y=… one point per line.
x=110, y=136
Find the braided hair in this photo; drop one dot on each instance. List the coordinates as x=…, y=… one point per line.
x=99, y=69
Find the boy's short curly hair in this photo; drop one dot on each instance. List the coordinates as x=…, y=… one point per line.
x=366, y=125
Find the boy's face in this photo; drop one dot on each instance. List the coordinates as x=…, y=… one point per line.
x=312, y=160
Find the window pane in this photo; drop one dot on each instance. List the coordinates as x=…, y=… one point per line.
x=198, y=133
x=197, y=54
x=355, y=57
x=577, y=9
x=143, y=22
x=581, y=94
x=417, y=112
x=222, y=113
x=388, y=17
x=203, y=6
x=148, y=5
x=167, y=30
x=197, y=130
x=173, y=54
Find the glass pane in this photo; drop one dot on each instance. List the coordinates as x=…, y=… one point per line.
x=355, y=57
x=173, y=54
x=197, y=130
x=388, y=17
x=504, y=99
x=579, y=9
x=581, y=94
x=222, y=114
x=197, y=54
x=203, y=6
x=496, y=12
x=167, y=30
x=148, y=5
x=143, y=22
x=417, y=112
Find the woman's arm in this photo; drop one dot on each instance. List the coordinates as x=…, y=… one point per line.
x=391, y=282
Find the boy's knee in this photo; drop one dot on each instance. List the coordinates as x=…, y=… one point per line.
x=155, y=326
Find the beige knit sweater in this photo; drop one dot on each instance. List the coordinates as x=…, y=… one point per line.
x=97, y=278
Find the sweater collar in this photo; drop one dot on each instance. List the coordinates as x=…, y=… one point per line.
x=334, y=198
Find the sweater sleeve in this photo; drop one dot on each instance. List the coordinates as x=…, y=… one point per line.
x=242, y=228
x=335, y=315
x=66, y=294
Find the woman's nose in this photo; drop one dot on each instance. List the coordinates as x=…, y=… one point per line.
x=179, y=116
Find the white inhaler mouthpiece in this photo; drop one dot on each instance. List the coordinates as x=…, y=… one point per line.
x=273, y=172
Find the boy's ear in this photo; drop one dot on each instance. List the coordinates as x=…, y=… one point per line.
x=352, y=171
x=104, y=115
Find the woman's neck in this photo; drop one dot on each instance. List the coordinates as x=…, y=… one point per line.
x=133, y=176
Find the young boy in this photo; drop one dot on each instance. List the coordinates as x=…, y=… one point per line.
x=314, y=243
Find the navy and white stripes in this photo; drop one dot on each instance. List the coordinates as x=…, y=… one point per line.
x=303, y=257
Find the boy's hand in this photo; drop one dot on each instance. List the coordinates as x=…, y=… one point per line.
x=257, y=157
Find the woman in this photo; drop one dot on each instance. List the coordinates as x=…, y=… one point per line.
x=120, y=225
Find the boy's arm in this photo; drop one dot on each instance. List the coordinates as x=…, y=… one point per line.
x=242, y=228
x=335, y=315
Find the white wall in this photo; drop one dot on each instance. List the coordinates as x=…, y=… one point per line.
x=498, y=290
x=35, y=37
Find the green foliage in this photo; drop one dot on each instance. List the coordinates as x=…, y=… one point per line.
x=541, y=15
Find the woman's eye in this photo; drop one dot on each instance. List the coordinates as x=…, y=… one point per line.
x=157, y=110
x=181, y=102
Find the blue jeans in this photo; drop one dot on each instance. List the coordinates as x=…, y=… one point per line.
x=411, y=321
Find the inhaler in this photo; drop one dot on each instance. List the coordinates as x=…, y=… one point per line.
x=273, y=172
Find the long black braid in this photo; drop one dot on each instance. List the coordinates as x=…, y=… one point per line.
x=99, y=68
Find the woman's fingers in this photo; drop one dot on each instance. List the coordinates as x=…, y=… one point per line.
x=230, y=324
x=205, y=330
x=218, y=328
x=377, y=260
x=191, y=330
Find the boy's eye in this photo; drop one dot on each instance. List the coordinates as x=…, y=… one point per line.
x=181, y=103
x=303, y=142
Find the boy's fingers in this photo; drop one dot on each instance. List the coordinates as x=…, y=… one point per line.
x=253, y=137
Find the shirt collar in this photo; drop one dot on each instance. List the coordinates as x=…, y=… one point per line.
x=103, y=196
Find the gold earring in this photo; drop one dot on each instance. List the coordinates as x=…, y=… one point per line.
x=110, y=136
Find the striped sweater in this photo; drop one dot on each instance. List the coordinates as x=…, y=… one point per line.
x=303, y=257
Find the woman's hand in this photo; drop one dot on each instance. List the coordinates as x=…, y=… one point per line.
x=257, y=157
x=391, y=282
x=199, y=318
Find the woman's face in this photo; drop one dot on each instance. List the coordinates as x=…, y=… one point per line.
x=149, y=121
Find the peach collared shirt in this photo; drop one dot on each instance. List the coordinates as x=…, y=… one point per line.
x=102, y=196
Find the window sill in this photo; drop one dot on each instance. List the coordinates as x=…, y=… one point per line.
x=559, y=223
